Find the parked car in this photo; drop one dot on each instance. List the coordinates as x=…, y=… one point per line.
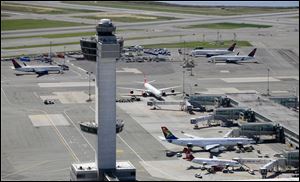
x=64, y=67
x=24, y=58
x=170, y=154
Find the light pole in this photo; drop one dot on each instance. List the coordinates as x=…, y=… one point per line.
x=268, y=90
x=183, y=90
x=50, y=50
x=64, y=55
x=183, y=50
x=89, y=99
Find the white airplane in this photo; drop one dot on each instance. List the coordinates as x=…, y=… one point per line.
x=151, y=91
x=209, y=144
x=234, y=58
x=212, y=52
x=214, y=162
x=39, y=70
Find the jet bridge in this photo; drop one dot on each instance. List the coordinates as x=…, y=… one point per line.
x=202, y=100
x=287, y=159
x=267, y=111
x=226, y=116
x=276, y=163
x=184, y=105
x=257, y=130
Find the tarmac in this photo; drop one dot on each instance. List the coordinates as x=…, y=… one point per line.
x=40, y=142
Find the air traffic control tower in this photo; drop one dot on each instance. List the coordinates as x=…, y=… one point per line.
x=105, y=166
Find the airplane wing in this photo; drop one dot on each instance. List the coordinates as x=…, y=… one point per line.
x=210, y=55
x=190, y=136
x=167, y=88
x=41, y=72
x=174, y=93
x=142, y=90
x=212, y=146
x=133, y=95
x=230, y=60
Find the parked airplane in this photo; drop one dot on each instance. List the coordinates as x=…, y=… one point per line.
x=214, y=162
x=209, y=144
x=152, y=91
x=212, y=52
x=234, y=58
x=39, y=70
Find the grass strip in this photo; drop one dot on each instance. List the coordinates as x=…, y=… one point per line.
x=201, y=10
x=129, y=18
x=19, y=24
x=40, y=9
x=227, y=25
x=193, y=44
x=41, y=45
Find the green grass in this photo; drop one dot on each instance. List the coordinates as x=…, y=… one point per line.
x=194, y=44
x=80, y=33
x=41, y=45
x=76, y=34
x=226, y=25
x=130, y=19
x=163, y=7
x=40, y=9
x=150, y=37
x=32, y=24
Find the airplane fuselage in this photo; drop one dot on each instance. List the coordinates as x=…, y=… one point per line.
x=212, y=52
x=202, y=142
x=229, y=58
x=35, y=68
x=154, y=91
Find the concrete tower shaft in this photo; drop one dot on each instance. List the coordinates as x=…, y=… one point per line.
x=107, y=52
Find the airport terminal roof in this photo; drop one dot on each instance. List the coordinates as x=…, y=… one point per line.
x=270, y=110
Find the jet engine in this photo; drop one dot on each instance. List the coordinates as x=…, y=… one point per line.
x=189, y=145
x=239, y=145
x=164, y=94
x=215, y=150
x=131, y=92
x=172, y=91
x=144, y=94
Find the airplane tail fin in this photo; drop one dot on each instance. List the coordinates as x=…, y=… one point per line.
x=231, y=48
x=252, y=53
x=188, y=154
x=16, y=64
x=145, y=79
x=168, y=135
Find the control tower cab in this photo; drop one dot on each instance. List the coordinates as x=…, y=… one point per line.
x=105, y=32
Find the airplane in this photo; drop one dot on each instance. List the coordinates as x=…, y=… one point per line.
x=213, y=145
x=39, y=70
x=212, y=52
x=234, y=58
x=150, y=90
x=213, y=163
